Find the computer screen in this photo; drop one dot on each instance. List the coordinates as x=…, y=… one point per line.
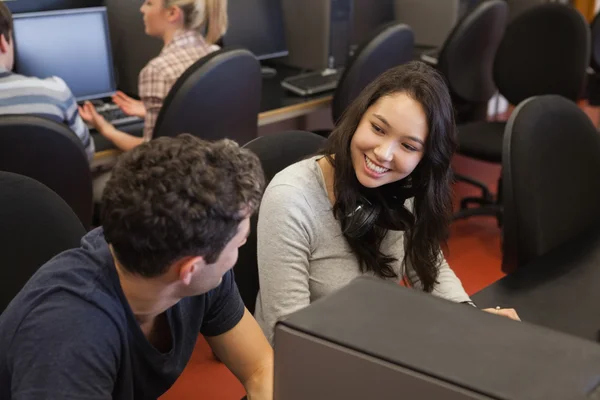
x=257, y=25
x=377, y=340
x=71, y=44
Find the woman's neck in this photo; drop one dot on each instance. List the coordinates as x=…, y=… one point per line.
x=329, y=178
x=170, y=34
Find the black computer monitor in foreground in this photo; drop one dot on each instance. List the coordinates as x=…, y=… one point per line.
x=257, y=25
x=377, y=340
x=71, y=44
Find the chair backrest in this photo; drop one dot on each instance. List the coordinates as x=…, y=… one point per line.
x=595, y=33
x=551, y=178
x=388, y=47
x=35, y=225
x=545, y=50
x=50, y=153
x=217, y=97
x=467, y=56
x=276, y=152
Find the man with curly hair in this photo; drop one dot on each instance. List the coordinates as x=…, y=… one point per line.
x=118, y=318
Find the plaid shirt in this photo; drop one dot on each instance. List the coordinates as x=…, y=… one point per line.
x=161, y=73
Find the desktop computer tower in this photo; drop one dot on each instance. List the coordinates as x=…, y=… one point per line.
x=318, y=33
x=431, y=20
x=370, y=15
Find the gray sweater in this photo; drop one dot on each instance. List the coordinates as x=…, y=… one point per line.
x=302, y=254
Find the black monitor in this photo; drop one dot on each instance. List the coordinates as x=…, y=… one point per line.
x=71, y=44
x=257, y=25
x=377, y=340
x=25, y=6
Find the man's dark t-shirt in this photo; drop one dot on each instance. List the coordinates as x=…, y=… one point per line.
x=70, y=333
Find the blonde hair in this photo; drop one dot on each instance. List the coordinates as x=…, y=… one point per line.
x=198, y=12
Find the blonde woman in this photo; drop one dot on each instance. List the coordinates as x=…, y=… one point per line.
x=179, y=23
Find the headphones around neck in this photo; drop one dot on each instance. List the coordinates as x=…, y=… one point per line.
x=385, y=209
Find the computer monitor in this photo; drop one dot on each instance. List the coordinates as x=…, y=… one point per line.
x=258, y=26
x=71, y=44
x=377, y=340
x=25, y=6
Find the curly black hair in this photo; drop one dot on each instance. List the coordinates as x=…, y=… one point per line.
x=177, y=197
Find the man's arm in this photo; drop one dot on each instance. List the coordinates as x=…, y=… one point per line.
x=71, y=116
x=246, y=352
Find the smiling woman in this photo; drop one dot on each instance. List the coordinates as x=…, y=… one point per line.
x=376, y=201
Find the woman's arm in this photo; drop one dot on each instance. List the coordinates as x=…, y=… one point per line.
x=284, y=235
x=122, y=140
x=449, y=286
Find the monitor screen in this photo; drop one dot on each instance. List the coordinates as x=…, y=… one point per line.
x=257, y=25
x=71, y=44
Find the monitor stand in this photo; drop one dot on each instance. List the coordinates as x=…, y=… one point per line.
x=268, y=72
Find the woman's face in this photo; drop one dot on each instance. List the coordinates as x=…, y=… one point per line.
x=156, y=17
x=390, y=140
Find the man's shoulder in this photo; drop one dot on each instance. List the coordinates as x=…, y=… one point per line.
x=52, y=88
x=52, y=82
x=75, y=283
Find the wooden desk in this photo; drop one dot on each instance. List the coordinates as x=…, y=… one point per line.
x=560, y=290
x=277, y=104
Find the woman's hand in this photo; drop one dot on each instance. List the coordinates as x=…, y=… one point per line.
x=505, y=312
x=128, y=105
x=90, y=115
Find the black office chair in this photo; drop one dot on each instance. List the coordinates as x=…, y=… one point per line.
x=467, y=56
x=545, y=50
x=276, y=152
x=35, y=225
x=217, y=97
x=551, y=170
x=390, y=46
x=50, y=153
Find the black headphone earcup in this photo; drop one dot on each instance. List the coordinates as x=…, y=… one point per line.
x=362, y=220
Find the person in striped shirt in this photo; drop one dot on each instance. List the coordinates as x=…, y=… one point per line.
x=49, y=98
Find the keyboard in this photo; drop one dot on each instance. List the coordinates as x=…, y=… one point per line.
x=113, y=114
x=313, y=82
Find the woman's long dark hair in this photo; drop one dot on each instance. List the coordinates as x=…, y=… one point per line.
x=426, y=228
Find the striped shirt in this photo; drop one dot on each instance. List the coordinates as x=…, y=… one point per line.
x=161, y=73
x=48, y=98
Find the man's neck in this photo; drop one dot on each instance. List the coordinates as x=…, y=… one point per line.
x=4, y=65
x=147, y=297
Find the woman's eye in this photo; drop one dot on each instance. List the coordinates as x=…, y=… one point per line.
x=409, y=147
x=376, y=128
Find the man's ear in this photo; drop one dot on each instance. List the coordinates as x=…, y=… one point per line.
x=3, y=44
x=189, y=267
